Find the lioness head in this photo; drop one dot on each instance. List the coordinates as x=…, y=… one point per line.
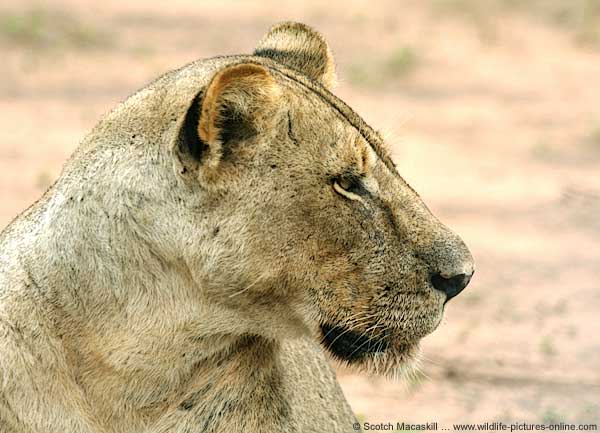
x=301, y=220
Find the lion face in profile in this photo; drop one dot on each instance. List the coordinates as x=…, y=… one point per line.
x=316, y=228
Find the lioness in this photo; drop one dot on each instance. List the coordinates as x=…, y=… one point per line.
x=208, y=242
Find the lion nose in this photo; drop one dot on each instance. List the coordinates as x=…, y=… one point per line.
x=452, y=285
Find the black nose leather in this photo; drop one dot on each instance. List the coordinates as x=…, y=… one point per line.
x=451, y=286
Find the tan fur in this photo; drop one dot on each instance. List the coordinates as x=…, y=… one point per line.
x=179, y=275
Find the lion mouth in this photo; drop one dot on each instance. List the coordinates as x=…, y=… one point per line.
x=348, y=345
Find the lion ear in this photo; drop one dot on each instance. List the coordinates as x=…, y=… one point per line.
x=302, y=48
x=237, y=104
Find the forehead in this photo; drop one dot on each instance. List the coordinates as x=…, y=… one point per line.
x=345, y=125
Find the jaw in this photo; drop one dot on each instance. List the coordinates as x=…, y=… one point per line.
x=379, y=355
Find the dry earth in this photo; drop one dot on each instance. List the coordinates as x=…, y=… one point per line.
x=493, y=114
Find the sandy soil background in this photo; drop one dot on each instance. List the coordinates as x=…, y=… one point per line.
x=492, y=108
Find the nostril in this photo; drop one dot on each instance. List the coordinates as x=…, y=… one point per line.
x=450, y=286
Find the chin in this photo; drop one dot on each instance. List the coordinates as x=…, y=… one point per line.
x=381, y=355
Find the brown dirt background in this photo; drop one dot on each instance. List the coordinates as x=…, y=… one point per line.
x=492, y=109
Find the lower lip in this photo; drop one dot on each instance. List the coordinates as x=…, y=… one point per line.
x=348, y=345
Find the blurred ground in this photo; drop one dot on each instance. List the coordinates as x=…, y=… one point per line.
x=492, y=109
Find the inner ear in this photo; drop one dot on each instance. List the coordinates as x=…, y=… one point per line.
x=237, y=104
x=234, y=128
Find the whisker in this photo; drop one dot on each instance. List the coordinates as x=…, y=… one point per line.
x=354, y=323
x=369, y=339
x=350, y=329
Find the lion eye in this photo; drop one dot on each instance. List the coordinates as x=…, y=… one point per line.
x=344, y=183
x=348, y=187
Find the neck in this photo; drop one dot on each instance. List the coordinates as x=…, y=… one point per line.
x=136, y=326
